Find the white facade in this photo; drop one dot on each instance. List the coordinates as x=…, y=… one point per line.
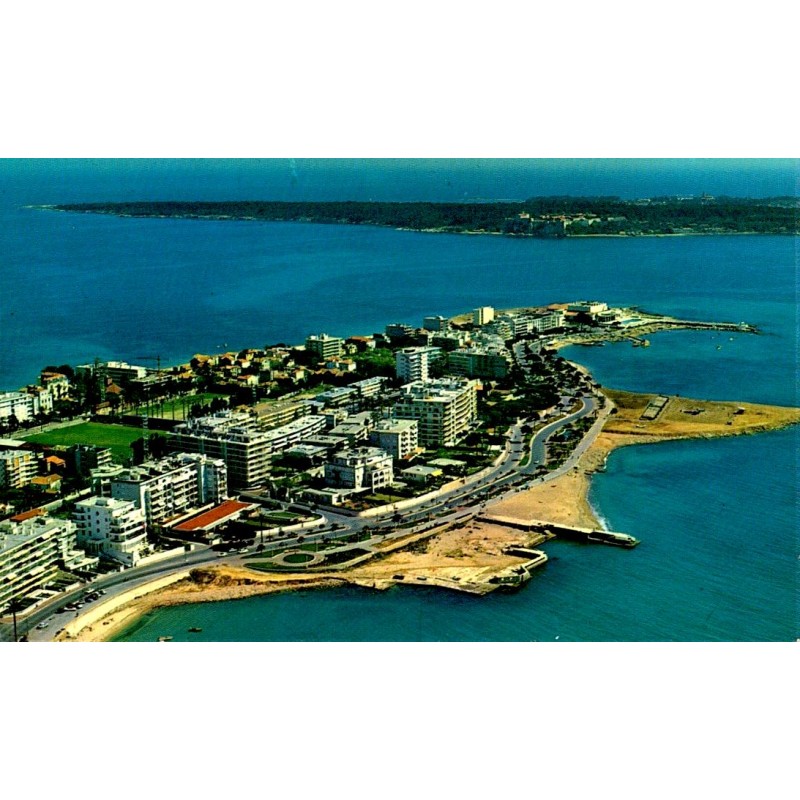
x=443, y=408
x=25, y=406
x=483, y=315
x=587, y=307
x=117, y=371
x=361, y=468
x=280, y=439
x=17, y=468
x=413, y=363
x=235, y=438
x=398, y=437
x=31, y=553
x=56, y=383
x=166, y=488
x=111, y=527
x=325, y=346
x=548, y=320
x=369, y=386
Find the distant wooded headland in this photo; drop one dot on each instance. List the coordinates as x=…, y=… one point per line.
x=548, y=217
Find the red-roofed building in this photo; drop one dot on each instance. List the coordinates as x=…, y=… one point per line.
x=47, y=483
x=34, y=512
x=53, y=463
x=204, y=523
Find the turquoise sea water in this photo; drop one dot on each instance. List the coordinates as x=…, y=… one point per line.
x=717, y=519
x=717, y=562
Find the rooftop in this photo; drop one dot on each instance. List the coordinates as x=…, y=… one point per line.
x=214, y=515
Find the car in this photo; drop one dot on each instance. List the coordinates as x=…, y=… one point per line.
x=43, y=624
x=242, y=550
x=101, y=591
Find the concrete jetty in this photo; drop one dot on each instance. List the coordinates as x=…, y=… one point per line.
x=571, y=532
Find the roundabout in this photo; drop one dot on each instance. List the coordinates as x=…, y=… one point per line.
x=298, y=558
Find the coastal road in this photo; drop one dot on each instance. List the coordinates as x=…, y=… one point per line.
x=491, y=487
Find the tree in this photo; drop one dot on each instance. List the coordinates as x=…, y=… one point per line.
x=15, y=605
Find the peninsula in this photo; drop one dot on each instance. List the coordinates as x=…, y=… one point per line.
x=443, y=455
x=544, y=217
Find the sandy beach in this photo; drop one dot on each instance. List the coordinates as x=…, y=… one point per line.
x=472, y=551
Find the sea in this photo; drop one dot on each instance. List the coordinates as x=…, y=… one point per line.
x=717, y=519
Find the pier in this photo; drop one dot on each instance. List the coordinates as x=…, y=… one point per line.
x=549, y=530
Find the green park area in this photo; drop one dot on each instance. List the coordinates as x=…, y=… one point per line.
x=116, y=437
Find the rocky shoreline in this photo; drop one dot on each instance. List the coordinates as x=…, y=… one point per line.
x=474, y=550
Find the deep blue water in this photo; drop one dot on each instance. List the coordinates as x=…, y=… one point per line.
x=717, y=519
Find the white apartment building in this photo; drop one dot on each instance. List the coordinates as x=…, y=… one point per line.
x=413, y=363
x=25, y=406
x=483, y=315
x=31, y=553
x=547, y=320
x=112, y=528
x=17, y=468
x=444, y=409
x=369, y=387
x=398, y=437
x=362, y=468
x=172, y=485
x=324, y=346
x=280, y=439
x=237, y=439
x=56, y=383
x=589, y=307
x=520, y=324
x=117, y=371
x=479, y=362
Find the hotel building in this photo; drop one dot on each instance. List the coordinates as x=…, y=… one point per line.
x=362, y=468
x=443, y=408
x=32, y=552
x=111, y=528
x=166, y=488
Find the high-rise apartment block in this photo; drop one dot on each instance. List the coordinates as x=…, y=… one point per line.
x=111, y=528
x=172, y=485
x=237, y=439
x=413, y=363
x=483, y=315
x=17, y=468
x=324, y=346
x=444, y=409
x=361, y=468
x=398, y=437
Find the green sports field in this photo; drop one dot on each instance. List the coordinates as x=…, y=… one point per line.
x=116, y=437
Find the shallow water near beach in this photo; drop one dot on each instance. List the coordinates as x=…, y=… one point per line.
x=717, y=519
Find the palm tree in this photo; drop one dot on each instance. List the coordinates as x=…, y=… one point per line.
x=15, y=605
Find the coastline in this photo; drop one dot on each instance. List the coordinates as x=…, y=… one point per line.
x=479, y=232
x=476, y=549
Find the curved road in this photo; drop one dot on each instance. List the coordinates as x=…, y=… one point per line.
x=494, y=485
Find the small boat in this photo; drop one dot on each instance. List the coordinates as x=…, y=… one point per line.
x=164, y=638
x=195, y=630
